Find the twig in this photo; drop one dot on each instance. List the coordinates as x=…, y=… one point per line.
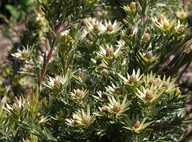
x=186, y=59
x=184, y=41
x=170, y=124
x=179, y=53
x=50, y=52
x=11, y=26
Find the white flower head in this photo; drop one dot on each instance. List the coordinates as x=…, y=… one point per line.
x=85, y=35
x=164, y=24
x=109, y=52
x=97, y=60
x=132, y=79
x=101, y=96
x=168, y=85
x=129, y=32
x=182, y=14
x=24, y=53
x=180, y=28
x=148, y=56
x=81, y=118
x=57, y=82
x=95, y=26
x=116, y=106
x=114, y=89
x=135, y=125
x=148, y=95
x=110, y=28
x=78, y=94
x=151, y=80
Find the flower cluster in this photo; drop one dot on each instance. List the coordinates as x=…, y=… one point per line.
x=102, y=69
x=81, y=118
x=165, y=24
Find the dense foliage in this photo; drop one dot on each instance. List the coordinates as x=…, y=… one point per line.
x=98, y=70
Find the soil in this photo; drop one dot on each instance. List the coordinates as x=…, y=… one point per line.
x=4, y=44
x=7, y=37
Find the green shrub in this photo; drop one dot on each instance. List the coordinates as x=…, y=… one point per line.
x=100, y=71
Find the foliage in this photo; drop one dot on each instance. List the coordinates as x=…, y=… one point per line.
x=15, y=9
x=96, y=77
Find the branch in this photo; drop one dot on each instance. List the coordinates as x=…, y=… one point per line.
x=186, y=59
x=178, y=54
x=50, y=52
x=170, y=124
x=11, y=26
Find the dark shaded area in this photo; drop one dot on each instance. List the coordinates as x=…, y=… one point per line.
x=3, y=9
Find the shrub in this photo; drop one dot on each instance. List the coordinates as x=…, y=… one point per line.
x=101, y=71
